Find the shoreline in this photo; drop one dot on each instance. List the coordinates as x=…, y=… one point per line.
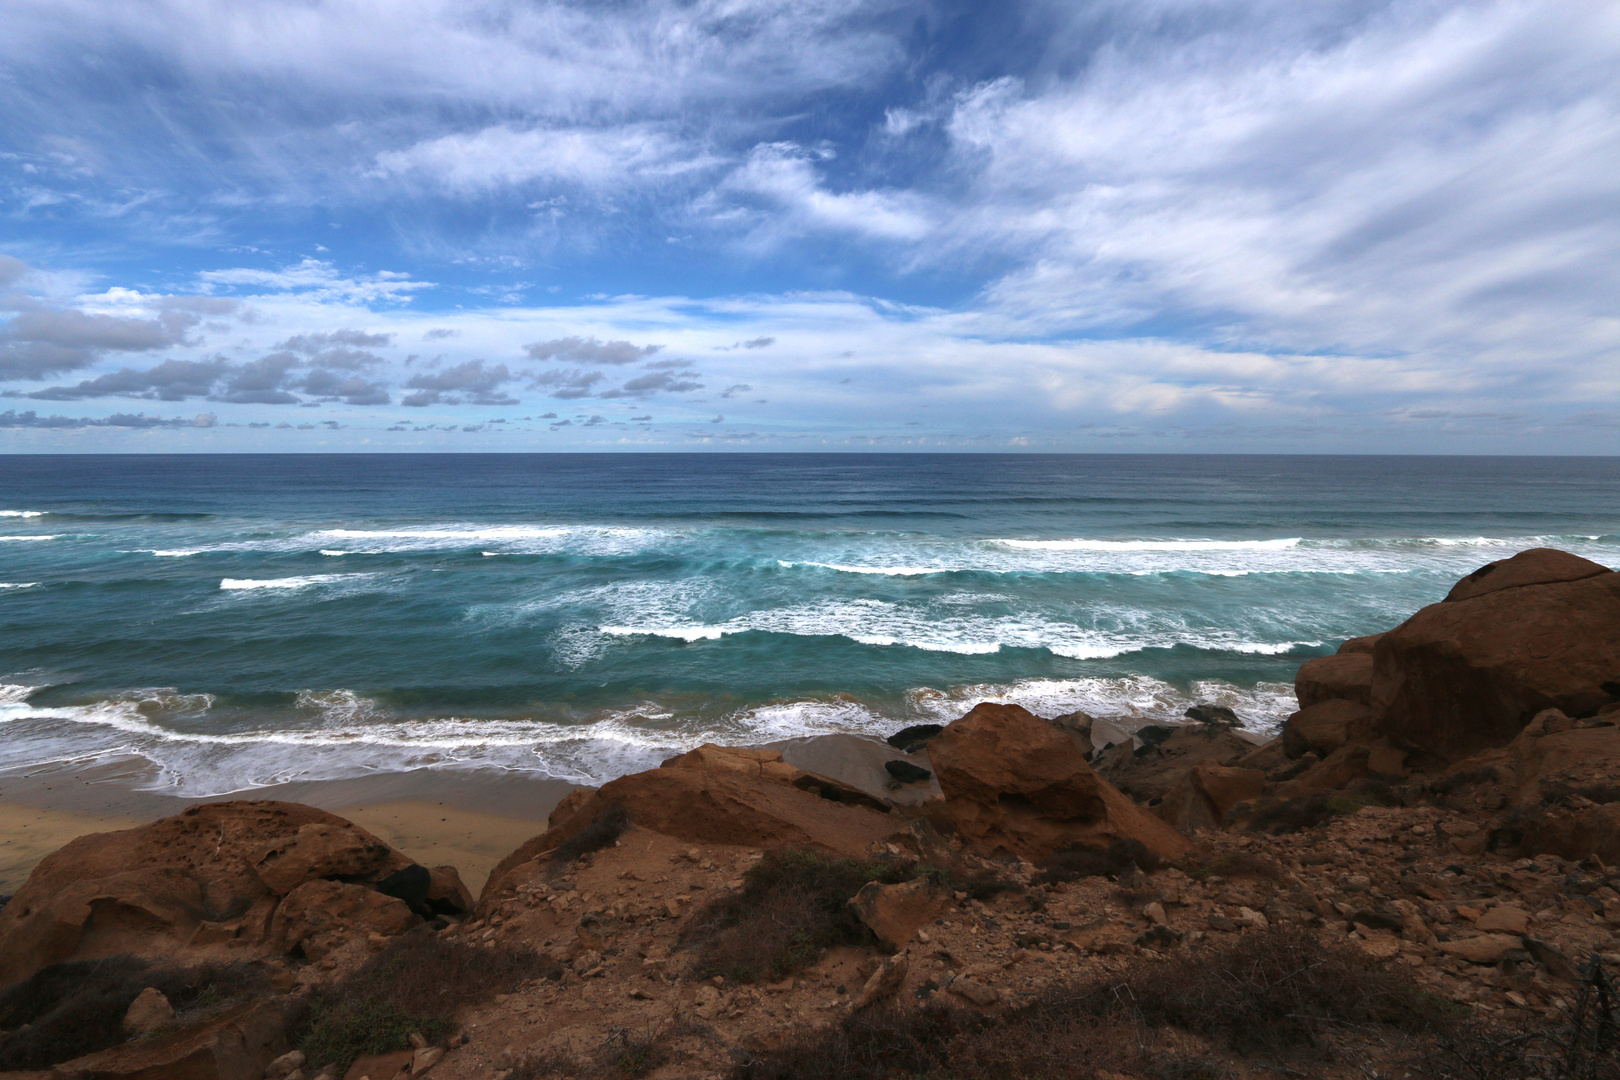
x=469, y=820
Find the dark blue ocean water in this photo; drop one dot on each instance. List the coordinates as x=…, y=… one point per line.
x=240, y=620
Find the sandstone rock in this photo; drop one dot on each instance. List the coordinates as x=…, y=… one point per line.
x=318, y=916
x=381, y=1066
x=149, y=1012
x=1485, y=949
x=1504, y=919
x=1208, y=793
x=1575, y=832
x=447, y=894
x=1536, y=566
x=1325, y=726
x=1468, y=673
x=1078, y=727
x=975, y=991
x=146, y=890
x=1339, y=768
x=895, y=912
x=883, y=983
x=286, y=1063
x=1346, y=676
x=1014, y=784
x=1360, y=644
x=425, y=1058
x=710, y=806
x=321, y=849
x=1153, y=771
x=235, y=1044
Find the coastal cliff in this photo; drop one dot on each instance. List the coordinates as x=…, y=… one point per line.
x=1419, y=864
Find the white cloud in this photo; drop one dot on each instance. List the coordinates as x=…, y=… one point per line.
x=321, y=281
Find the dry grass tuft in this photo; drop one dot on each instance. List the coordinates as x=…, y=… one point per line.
x=75, y=1008
x=793, y=906
x=1271, y=993
x=603, y=832
x=1119, y=857
x=415, y=984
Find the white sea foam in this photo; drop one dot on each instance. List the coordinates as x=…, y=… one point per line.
x=1152, y=545
x=22, y=513
x=890, y=571
x=177, y=553
x=514, y=539
x=301, y=582
x=884, y=624
x=20, y=539
x=18, y=584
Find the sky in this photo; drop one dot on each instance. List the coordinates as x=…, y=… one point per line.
x=1343, y=226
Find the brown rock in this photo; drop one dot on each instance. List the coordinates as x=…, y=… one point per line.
x=1467, y=674
x=975, y=991
x=1485, y=949
x=319, y=916
x=447, y=890
x=233, y=1045
x=146, y=890
x=1325, y=726
x=1208, y=793
x=1536, y=566
x=380, y=1066
x=883, y=983
x=1360, y=644
x=1575, y=832
x=1347, y=676
x=1341, y=767
x=895, y=912
x=148, y=1012
x=1013, y=783
x=710, y=806
x=320, y=849
x=1156, y=770
x=1504, y=919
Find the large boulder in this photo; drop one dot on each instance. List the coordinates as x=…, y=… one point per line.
x=709, y=804
x=1014, y=783
x=235, y=1044
x=1346, y=675
x=1325, y=726
x=1206, y=796
x=216, y=870
x=319, y=916
x=1536, y=566
x=1152, y=770
x=1468, y=673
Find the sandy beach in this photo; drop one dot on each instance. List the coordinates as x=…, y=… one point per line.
x=465, y=819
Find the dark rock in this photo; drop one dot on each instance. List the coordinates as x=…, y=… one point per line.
x=908, y=740
x=906, y=772
x=412, y=885
x=1216, y=715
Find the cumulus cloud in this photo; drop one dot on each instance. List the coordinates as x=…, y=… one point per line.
x=589, y=351
x=469, y=382
x=673, y=382
x=333, y=386
x=30, y=419
x=172, y=380
x=42, y=337
x=262, y=382
x=311, y=344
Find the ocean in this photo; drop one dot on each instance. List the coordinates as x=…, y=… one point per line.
x=244, y=620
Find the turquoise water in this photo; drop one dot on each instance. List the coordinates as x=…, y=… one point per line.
x=245, y=620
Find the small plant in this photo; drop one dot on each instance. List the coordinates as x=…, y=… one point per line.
x=603, y=832
x=1080, y=861
x=793, y=906
x=1298, y=814
x=415, y=984
x=75, y=1008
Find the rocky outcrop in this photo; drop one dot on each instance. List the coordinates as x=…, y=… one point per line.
x=1325, y=726
x=1149, y=772
x=1536, y=566
x=319, y=916
x=236, y=1044
x=1013, y=783
x=1346, y=676
x=213, y=874
x=704, y=799
x=896, y=912
x=1526, y=634
x=1207, y=795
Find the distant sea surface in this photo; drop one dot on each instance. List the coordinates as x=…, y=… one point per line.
x=246, y=620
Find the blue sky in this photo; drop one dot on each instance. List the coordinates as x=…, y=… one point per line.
x=1155, y=225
